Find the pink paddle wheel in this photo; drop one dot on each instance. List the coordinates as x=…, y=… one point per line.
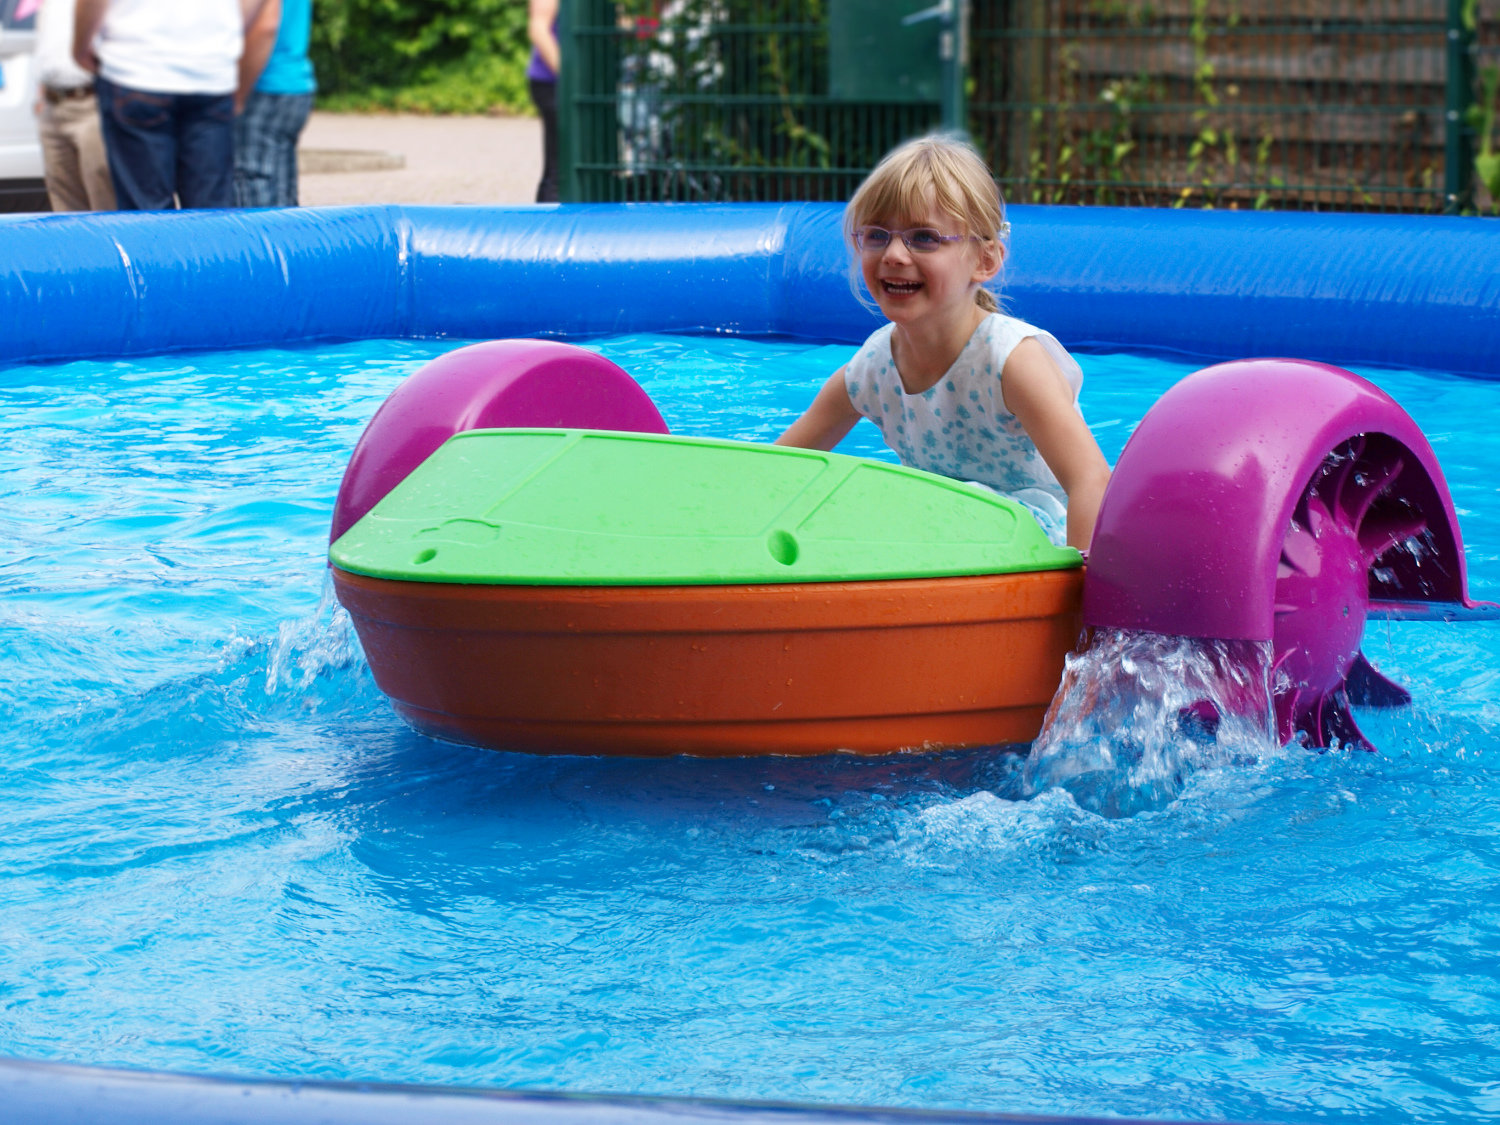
x=1283, y=501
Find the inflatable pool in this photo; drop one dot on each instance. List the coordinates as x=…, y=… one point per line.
x=1338, y=289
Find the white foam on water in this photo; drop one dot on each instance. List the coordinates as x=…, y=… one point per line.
x=310, y=648
x=1138, y=713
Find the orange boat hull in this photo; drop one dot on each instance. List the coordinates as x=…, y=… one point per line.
x=720, y=671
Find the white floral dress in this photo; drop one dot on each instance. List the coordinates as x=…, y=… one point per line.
x=959, y=427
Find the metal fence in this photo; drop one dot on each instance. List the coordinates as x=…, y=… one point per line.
x=1331, y=104
x=719, y=99
x=1283, y=104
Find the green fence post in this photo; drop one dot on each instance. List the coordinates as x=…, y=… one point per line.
x=955, y=104
x=1458, y=147
x=567, y=106
x=952, y=49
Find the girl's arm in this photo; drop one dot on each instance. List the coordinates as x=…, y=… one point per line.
x=540, y=15
x=1037, y=393
x=826, y=422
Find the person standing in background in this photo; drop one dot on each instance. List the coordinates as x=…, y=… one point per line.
x=167, y=73
x=546, y=62
x=74, y=164
x=276, y=110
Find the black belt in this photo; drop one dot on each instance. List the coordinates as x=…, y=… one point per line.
x=55, y=94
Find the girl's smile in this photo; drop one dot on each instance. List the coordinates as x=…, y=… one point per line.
x=900, y=288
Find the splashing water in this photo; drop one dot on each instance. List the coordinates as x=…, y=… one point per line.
x=1138, y=713
x=314, y=647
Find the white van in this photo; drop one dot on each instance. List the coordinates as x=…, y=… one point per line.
x=21, y=186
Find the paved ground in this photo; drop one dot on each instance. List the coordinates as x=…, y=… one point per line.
x=354, y=158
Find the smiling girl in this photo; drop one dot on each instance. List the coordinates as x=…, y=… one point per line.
x=956, y=386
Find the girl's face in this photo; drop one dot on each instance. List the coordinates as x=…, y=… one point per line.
x=909, y=285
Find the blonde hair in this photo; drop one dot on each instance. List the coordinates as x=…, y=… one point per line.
x=936, y=170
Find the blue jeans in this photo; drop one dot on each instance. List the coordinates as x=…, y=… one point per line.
x=167, y=150
x=265, y=149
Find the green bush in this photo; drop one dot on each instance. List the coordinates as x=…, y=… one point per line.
x=421, y=56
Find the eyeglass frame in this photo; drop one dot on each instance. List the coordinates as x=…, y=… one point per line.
x=860, y=232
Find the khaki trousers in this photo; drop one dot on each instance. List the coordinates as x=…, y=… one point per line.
x=76, y=168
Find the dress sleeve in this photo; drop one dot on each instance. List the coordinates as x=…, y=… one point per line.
x=1013, y=331
x=862, y=373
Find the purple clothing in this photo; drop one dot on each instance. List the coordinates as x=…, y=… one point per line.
x=537, y=70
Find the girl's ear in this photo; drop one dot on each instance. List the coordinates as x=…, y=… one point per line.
x=991, y=258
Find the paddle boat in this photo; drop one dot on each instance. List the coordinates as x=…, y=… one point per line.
x=533, y=563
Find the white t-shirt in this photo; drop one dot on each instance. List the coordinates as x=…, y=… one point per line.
x=54, y=47
x=172, y=46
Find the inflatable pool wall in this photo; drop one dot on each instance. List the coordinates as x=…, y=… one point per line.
x=1409, y=291
x=1398, y=290
x=44, y=1093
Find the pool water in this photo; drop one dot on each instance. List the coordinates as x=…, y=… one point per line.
x=220, y=852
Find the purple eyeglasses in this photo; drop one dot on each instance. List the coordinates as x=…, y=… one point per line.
x=919, y=240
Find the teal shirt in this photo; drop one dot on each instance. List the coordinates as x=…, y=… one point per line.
x=289, y=70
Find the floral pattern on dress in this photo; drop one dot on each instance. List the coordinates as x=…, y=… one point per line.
x=959, y=427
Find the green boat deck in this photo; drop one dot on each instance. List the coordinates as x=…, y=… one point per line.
x=592, y=508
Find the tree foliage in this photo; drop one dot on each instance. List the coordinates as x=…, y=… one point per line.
x=421, y=56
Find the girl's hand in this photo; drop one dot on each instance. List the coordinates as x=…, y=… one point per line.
x=1037, y=393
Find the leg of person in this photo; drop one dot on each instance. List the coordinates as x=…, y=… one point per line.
x=544, y=96
x=60, y=167
x=295, y=110
x=276, y=132
x=140, y=138
x=88, y=142
x=254, y=153
x=205, y=150
x=265, y=149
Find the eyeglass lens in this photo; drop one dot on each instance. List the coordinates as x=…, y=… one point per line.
x=920, y=239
